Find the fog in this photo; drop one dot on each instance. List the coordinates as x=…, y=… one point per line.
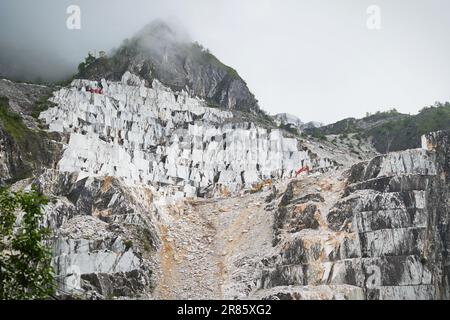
x=314, y=59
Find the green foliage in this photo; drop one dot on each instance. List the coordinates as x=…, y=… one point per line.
x=204, y=56
x=341, y=127
x=423, y=260
x=41, y=105
x=25, y=262
x=128, y=244
x=110, y=67
x=12, y=122
x=260, y=118
x=351, y=125
x=87, y=62
x=30, y=142
x=318, y=134
x=290, y=129
x=391, y=130
x=381, y=115
x=406, y=133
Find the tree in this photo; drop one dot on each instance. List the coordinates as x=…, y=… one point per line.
x=87, y=62
x=25, y=261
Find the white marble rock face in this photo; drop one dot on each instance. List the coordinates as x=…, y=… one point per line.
x=384, y=235
x=132, y=151
x=152, y=135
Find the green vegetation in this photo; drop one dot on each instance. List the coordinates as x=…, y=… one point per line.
x=390, y=130
x=41, y=105
x=352, y=125
x=423, y=260
x=109, y=67
x=265, y=119
x=318, y=134
x=12, y=123
x=289, y=129
x=128, y=244
x=204, y=56
x=30, y=142
x=406, y=133
x=89, y=60
x=381, y=115
x=25, y=262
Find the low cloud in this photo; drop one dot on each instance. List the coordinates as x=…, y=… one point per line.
x=314, y=59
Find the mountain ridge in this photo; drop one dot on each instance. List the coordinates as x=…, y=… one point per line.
x=159, y=52
x=159, y=193
x=391, y=130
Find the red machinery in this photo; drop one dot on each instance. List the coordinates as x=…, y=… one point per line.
x=95, y=90
x=301, y=170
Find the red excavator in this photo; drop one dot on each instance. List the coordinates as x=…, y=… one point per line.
x=97, y=89
x=301, y=170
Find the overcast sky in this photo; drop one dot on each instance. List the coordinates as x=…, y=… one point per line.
x=315, y=59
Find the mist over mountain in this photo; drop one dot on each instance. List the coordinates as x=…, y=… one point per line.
x=164, y=52
x=166, y=180
x=41, y=65
x=316, y=59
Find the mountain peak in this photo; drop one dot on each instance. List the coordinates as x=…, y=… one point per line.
x=165, y=52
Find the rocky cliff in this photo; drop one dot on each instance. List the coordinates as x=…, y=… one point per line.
x=161, y=51
x=155, y=193
x=377, y=231
x=127, y=157
x=25, y=149
x=168, y=139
